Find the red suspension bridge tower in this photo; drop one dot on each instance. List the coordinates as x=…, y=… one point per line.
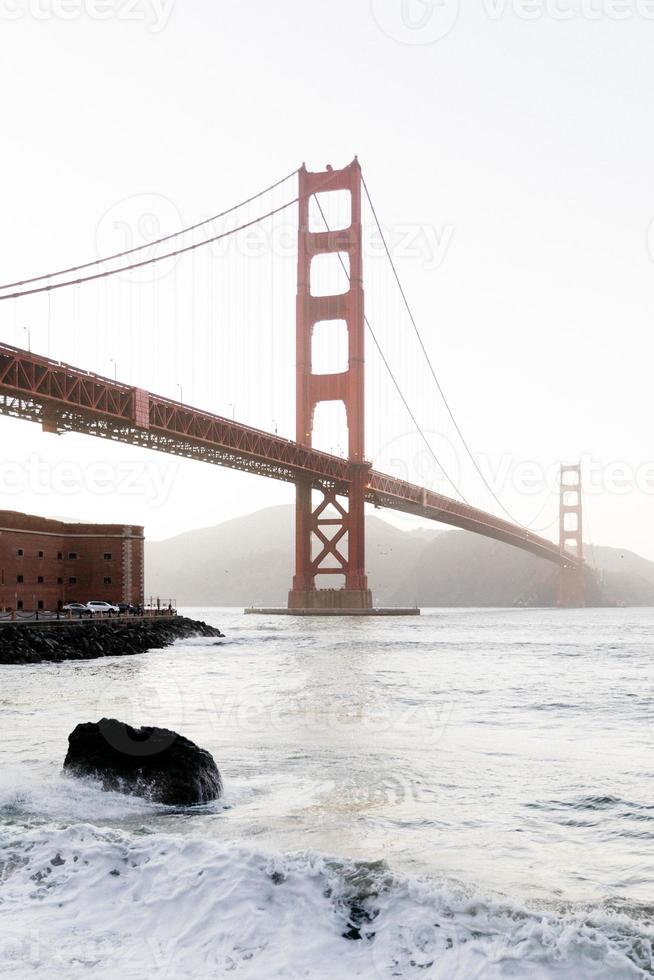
x=572, y=592
x=330, y=532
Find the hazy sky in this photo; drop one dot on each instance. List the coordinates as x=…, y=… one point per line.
x=510, y=151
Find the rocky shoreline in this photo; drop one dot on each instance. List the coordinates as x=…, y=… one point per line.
x=33, y=644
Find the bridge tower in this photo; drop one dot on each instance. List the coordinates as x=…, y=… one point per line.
x=330, y=532
x=572, y=576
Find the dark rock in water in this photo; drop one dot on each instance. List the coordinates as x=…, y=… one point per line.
x=153, y=762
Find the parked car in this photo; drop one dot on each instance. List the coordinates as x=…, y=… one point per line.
x=126, y=608
x=76, y=607
x=97, y=606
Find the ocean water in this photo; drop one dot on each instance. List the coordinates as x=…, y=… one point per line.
x=465, y=795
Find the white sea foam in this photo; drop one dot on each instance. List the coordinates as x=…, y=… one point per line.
x=198, y=641
x=61, y=801
x=107, y=904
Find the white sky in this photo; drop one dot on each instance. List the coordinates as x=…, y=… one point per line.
x=516, y=154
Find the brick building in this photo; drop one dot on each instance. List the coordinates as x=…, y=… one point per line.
x=44, y=564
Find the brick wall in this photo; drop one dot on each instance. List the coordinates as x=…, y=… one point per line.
x=60, y=562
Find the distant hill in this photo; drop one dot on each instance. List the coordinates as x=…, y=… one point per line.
x=249, y=561
x=626, y=578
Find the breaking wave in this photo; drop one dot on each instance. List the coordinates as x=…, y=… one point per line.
x=86, y=901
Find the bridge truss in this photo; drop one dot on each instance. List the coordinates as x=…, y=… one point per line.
x=62, y=398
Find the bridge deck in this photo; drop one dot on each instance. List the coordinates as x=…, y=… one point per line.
x=63, y=398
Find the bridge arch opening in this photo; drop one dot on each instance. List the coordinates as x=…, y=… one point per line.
x=330, y=272
x=336, y=207
x=329, y=347
x=571, y=522
x=330, y=433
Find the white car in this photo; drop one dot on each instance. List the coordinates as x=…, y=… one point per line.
x=76, y=607
x=96, y=606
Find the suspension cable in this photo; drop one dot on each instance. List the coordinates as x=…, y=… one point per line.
x=393, y=378
x=429, y=362
x=540, y=530
x=412, y=416
x=152, y=244
x=151, y=261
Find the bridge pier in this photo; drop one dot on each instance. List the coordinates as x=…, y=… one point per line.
x=333, y=600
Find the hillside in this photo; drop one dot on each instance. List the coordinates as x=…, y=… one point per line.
x=249, y=561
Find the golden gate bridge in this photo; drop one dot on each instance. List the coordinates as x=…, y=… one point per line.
x=331, y=490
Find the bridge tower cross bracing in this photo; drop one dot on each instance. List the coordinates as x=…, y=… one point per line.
x=330, y=532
